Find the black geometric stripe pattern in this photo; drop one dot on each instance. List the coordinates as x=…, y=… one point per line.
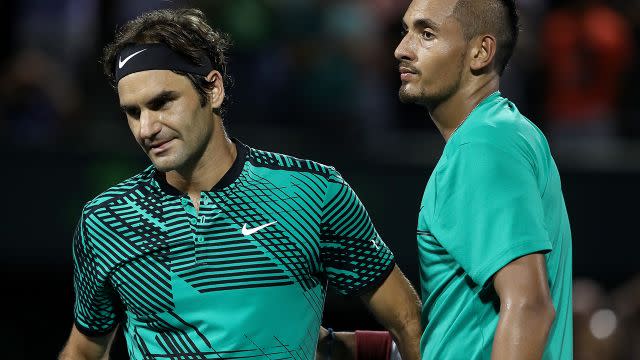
x=218, y=257
x=136, y=240
x=286, y=162
x=131, y=231
x=293, y=240
x=175, y=343
x=261, y=202
x=352, y=252
x=94, y=308
x=96, y=252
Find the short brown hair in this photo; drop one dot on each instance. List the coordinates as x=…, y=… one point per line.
x=497, y=17
x=185, y=31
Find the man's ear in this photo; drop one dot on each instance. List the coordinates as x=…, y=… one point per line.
x=483, y=52
x=216, y=95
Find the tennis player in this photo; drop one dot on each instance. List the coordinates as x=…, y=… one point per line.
x=217, y=250
x=493, y=232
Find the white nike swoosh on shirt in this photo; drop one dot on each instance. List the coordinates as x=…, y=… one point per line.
x=247, y=232
x=122, y=62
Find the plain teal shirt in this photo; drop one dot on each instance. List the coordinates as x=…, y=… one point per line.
x=493, y=197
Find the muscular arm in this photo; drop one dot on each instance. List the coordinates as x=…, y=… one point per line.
x=396, y=306
x=526, y=309
x=82, y=347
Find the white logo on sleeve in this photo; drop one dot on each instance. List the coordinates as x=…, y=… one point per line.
x=374, y=241
x=247, y=232
x=122, y=62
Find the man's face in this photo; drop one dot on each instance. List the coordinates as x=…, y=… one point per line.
x=431, y=53
x=166, y=118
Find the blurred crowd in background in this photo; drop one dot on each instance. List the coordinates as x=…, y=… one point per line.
x=326, y=67
x=319, y=64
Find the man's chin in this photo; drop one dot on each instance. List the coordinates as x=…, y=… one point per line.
x=163, y=165
x=407, y=97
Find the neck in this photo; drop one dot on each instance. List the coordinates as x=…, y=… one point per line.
x=212, y=165
x=449, y=114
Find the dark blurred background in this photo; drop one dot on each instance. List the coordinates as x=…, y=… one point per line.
x=317, y=79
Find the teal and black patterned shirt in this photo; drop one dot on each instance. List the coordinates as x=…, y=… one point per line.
x=243, y=278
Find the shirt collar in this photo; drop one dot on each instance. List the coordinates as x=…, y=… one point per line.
x=227, y=179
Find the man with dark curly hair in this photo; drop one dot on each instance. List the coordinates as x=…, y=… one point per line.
x=217, y=250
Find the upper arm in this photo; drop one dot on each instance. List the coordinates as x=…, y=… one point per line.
x=395, y=302
x=81, y=347
x=354, y=257
x=523, y=281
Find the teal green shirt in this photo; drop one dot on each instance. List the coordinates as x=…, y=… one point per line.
x=494, y=196
x=245, y=277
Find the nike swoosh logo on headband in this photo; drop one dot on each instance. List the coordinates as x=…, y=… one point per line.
x=122, y=62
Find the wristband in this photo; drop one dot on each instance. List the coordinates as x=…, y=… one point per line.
x=373, y=345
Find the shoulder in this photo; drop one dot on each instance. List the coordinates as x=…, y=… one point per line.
x=271, y=161
x=499, y=125
x=119, y=191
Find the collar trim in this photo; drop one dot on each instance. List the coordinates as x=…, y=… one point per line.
x=229, y=177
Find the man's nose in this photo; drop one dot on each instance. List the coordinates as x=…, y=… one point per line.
x=404, y=51
x=149, y=124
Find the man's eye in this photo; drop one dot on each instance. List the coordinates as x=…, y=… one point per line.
x=134, y=113
x=427, y=35
x=158, y=105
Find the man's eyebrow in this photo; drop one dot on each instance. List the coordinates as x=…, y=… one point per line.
x=423, y=23
x=127, y=108
x=162, y=96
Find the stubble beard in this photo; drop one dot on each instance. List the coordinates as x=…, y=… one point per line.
x=168, y=162
x=434, y=98
x=187, y=158
x=407, y=97
x=424, y=99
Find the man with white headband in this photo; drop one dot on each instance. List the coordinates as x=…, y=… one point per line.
x=217, y=250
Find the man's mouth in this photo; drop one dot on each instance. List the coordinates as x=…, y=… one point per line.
x=406, y=73
x=159, y=146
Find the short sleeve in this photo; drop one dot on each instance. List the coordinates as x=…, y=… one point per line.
x=94, y=312
x=355, y=258
x=489, y=209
